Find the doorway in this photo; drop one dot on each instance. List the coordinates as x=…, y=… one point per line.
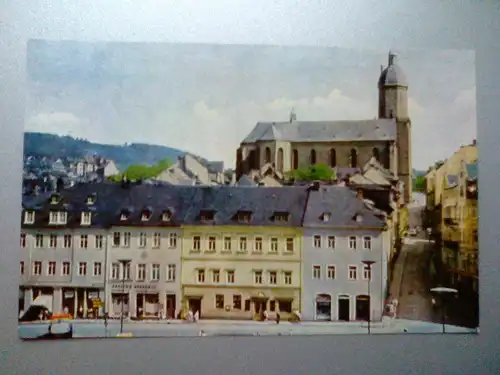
x=323, y=307
x=344, y=310
x=363, y=308
x=171, y=307
x=195, y=305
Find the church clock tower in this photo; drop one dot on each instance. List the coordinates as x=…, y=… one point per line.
x=393, y=103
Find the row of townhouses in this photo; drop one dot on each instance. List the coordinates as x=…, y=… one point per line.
x=228, y=252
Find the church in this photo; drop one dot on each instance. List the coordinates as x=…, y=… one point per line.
x=296, y=144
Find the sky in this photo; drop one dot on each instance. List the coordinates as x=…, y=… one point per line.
x=205, y=98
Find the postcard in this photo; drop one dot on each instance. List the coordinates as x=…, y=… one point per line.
x=207, y=190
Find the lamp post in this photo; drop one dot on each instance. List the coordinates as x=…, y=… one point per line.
x=369, y=264
x=124, y=263
x=442, y=291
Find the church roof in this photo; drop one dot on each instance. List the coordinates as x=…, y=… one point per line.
x=324, y=131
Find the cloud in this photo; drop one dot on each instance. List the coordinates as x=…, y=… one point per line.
x=56, y=123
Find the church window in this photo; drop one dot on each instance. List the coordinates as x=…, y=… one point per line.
x=267, y=156
x=333, y=158
x=353, y=159
x=280, y=159
x=295, y=161
x=313, y=157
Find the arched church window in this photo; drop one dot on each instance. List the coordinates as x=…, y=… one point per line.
x=376, y=153
x=313, y=157
x=280, y=159
x=353, y=158
x=333, y=158
x=295, y=161
x=267, y=155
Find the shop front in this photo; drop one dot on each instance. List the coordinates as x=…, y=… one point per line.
x=140, y=300
x=81, y=302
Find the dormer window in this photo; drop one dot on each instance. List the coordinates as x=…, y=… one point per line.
x=58, y=217
x=358, y=218
x=281, y=217
x=91, y=199
x=86, y=218
x=243, y=216
x=146, y=215
x=166, y=216
x=54, y=199
x=29, y=217
x=124, y=215
x=325, y=216
x=207, y=215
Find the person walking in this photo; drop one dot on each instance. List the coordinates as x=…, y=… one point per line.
x=278, y=317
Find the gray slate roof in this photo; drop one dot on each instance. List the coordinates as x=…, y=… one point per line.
x=343, y=205
x=324, y=131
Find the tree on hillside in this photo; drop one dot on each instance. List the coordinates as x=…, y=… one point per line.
x=142, y=172
x=321, y=172
x=419, y=183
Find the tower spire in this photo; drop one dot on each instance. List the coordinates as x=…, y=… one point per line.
x=293, y=116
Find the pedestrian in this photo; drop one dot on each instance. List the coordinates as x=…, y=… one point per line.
x=278, y=317
x=265, y=315
x=196, y=316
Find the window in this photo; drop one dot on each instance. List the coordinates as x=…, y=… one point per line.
x=258, y=244
x=227, y=243
x=172, y=240
x=126, y=271
x=216, y=276
x=230, y=277
x=99, y=240
x=295, y=159
x=126, y=239
x=39, y=240
x=51, y=269
x=312, y=157
x=211, y=243
x=353, y=158
x=257, y=277
x=353, y=273
x=330, y=273
x=86, y=218
x=123, y=216
x=272, y=305
x=116, y=239
x=29, y=217
x=274, y=245
x=37, y=268
x=141, y=272
x=66, y=268
x=84, y=241
x=207, y=215
x=352, y=243
x=367, y=243
x=58, y=217
x=281, y=217
x=82, y=269
x=331, y=242
x=53, y=241
x=171, y=272
x=97, y=268
x=333, y=158
x=367, y=273
x=243, y=244
x=244, y=216
x=316, y=272
x=21, y=268
x=156, y=240
x=285, y=306
x=287, y=277
x=166, y=216
x=142, y=239
x=155, y=272
x=273, y=277
x=317, y=241
x=91, y=200
x=236, y=302
x=201, y=276
x=290, y=242
x=196, y=243
x=145, y=216
x=325, y=217
x=23, y=240
x=115, y=271
x=219, y=301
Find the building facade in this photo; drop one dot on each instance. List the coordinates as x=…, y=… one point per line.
x=341, y=231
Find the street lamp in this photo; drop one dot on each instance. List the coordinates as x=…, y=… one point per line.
x=442, y=291
x=124, y=263
x=369, y=264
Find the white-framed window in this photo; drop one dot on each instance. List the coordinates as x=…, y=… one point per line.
x=171, y=272
x=39, y=240
x=316, y=272
x=142, y=239
x=66, y=268
x=273, y=247
x=126, y=271
x=155, y=272
x=290, y=245
x=242, y=244
x=166, y=216
x=331, y=242
x=352, y=242
x=68, y=241
x=212, y=243
x=353, y=272
x=367, y=243
x=23, y=240
x=84, y=241
x=172, y=240
x=97, y=268
x=127, y=239
x=331, y=272
x=53, y=241
x=145, y=216
x=367, y=272
x=156, y=240
x=51, y=268
x=141, y=272
x=196, y=243
x=29, y=217
x=86, y=218
x=201, y=276
x=37, y=268
x=58, y=217
x=230, y=276
x=21, y=268
x=317, y=241
x=216, y=276
x=115, y=271
x=116, y=239
x=325, y=217
x=287, y=277
x=99, y=241
x=82, y=269
x=227, y=243
x=257, y=245
x=257, y=277
x=273, y=277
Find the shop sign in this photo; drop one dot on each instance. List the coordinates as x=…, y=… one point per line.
x=93, y=295
x=69, y=294
x=128, y=287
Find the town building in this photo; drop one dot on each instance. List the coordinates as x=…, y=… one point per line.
x=295, y=144
x=341, y=231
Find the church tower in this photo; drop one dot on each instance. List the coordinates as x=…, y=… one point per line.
x=393, y=103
